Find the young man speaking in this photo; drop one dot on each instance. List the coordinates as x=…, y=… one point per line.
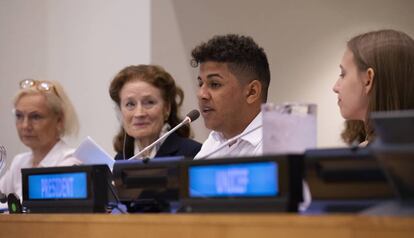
x=233, y=81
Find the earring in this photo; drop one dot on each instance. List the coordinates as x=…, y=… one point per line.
x=60, y=131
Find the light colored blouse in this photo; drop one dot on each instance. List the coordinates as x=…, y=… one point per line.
x=59, y=155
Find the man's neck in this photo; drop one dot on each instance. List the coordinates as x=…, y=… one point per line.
x=239, y=126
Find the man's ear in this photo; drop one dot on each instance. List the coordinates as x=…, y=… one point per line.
x=369, y=80
x=253, y=91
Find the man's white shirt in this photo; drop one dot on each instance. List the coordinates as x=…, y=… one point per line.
x=248, y=145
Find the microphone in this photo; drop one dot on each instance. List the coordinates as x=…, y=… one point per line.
x=3, y=197
x=231, y=140
x=190, y=117
x=3, y=157
x=14, y=204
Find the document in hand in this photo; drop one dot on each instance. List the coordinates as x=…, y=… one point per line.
x=89, y=152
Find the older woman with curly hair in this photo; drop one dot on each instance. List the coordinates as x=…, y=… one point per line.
x=148, y=101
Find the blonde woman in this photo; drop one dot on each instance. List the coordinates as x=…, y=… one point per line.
x=43, y=115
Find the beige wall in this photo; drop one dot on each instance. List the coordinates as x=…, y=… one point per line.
x=83, y=43
x=80, y=43
x=304, y=41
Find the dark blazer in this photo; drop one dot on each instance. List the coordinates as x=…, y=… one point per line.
x=175, y=145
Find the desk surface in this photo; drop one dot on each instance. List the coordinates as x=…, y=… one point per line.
x=204, y=225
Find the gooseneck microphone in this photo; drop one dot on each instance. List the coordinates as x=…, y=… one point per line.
x=3, y=197
x=229, y=141
x=3, y=155
x=190, y=117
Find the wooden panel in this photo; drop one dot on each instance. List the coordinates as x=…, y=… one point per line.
x=204, y=225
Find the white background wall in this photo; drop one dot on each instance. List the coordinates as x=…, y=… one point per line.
x=304, y=41
x=84, y=43
x=80, y=43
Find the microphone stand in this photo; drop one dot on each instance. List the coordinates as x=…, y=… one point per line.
x=186, y=120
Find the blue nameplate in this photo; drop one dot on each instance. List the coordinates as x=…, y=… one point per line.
x=257, y=179
x=58, y=186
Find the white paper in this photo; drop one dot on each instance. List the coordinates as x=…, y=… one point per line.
x=89, y=152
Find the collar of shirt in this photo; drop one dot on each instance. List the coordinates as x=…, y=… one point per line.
x=154, y=150
x=50, y=159
x=252, y=138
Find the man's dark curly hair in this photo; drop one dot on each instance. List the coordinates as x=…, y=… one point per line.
x=245, y=59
